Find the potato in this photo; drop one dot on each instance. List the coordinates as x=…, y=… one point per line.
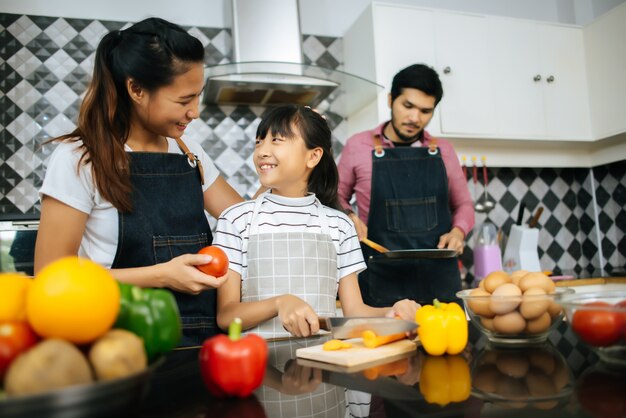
x=49, y=365
x=117, y=354
x=495, y=279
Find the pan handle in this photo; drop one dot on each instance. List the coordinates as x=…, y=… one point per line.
x=324, y=323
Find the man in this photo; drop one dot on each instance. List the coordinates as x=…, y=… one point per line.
x=410, y=193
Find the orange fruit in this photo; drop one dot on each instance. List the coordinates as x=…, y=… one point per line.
x=13, y=290
x=73, y=299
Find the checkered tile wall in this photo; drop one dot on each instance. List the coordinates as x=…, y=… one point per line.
x=45, y=65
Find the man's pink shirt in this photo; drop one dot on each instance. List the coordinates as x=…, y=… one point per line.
x=355, y=176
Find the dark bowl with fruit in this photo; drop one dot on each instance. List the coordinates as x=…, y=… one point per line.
x=599, y=320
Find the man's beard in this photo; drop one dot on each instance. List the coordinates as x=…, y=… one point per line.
x=405, y=138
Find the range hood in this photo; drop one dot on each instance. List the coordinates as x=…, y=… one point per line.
x=268, y=67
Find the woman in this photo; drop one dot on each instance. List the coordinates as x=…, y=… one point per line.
x=123, y=189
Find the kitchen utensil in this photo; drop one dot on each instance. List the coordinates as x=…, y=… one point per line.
x=420, y=253
x=520, y=213
x=521, y=250
x=358, y=356
x=374, y=245
x=487, y=202
x=533, y=221
x=478, y=206
x=487, y=255
x=353, y=327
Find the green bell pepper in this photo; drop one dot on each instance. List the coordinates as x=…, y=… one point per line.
x=153, y=315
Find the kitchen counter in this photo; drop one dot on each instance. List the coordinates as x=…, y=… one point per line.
x=560, y=378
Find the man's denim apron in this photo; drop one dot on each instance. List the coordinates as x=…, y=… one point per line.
x=409, y=209
x=168, y=220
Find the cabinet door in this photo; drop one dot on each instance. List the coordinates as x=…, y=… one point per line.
x=514, y=61
x=402, y=36
x=565, y=91
x=463, y=65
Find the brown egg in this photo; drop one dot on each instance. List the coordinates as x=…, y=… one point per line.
x=495, y=279
x=540, y=384
x=517, y=275
x=534, y=303
x=536, y=280
x=545, y=405
x=487, y=323
x=543, y=361
x=484, y=378
x=505, y=298
x=554, y=309
x=537, y=325
x=513, y=364
x=481, y=284
x=511, y=388
x=511, y=323
x=480, y=305
x=561, y=376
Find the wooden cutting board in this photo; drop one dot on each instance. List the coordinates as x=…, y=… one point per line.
x=358, y=354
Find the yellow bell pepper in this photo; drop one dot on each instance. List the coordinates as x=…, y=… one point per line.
x=445, y=379
x=13, y=290
x=442, y=328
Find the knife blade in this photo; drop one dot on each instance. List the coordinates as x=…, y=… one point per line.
x=352, y=327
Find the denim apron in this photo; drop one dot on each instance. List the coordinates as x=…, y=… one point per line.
x=303, y=264
x=409, y=209
x=168, y=220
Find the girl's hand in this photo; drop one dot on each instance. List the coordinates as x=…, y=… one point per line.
x=403, y=309
x=297, y=316
x=180, y=274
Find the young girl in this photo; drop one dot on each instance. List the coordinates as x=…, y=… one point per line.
x=123, y=189
x=291, y=250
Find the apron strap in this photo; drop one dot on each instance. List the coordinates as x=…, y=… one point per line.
x=193, y=158
x=379, y=151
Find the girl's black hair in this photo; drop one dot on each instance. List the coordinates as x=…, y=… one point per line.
x=281, y=120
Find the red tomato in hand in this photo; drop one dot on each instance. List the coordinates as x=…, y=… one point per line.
x=598, y=328
x=15, y=337
x=218, y=266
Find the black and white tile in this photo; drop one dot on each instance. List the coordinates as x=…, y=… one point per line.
x=46, y=63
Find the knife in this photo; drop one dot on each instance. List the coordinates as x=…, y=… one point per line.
x=353, y=327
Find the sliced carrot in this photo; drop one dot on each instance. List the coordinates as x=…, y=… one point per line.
x=371, y=340
x=332, y=345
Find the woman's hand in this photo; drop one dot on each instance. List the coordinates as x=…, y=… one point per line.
x=297, y=316
x=180, y=274
x=453, y=240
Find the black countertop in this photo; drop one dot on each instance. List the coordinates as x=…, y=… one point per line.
x=560, y=378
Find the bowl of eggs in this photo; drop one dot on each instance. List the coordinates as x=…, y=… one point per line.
x=599, y=319
x=517, y=308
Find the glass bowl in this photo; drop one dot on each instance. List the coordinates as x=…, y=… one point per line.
x=599, y=320
x=521, y=319
x=522, y=377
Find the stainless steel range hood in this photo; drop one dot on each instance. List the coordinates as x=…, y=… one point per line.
x=268, y=67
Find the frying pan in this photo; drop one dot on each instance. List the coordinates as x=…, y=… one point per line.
x=409, y=254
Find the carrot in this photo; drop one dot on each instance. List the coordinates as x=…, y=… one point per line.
x=332, y=345
x=371, y=340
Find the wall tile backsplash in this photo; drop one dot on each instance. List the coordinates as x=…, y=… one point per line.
x=46, y=63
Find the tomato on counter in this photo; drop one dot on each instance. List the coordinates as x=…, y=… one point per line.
x=218, y=266
x=622, y=304
x=599, y=328
x=600, y=391
x=15, y=338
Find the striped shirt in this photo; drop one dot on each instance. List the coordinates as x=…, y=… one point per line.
x=284, y=214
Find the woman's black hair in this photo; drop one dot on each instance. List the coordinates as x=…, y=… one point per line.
x=281, y=120
x=151, y=53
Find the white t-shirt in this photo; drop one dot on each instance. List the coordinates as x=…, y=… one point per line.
x=284, y=214
x=74, y=185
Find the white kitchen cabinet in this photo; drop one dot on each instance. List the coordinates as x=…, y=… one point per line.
x=503, y=78
x=540, y=80
x=605, y=45
x=463, y=66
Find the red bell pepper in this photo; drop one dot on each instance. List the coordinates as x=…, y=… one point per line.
x=231, y=365
x=15, y=338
